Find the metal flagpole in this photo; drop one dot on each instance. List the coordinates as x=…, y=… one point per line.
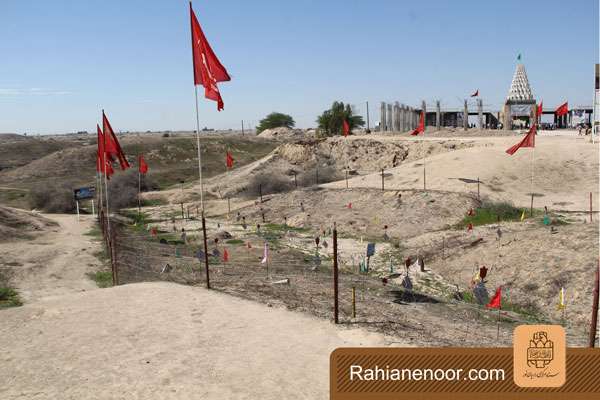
x=199, y=152
x=139, y=189
x=532, y=169
x=106, y=184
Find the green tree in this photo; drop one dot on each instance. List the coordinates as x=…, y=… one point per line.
x=331, y=121
x=275, y=120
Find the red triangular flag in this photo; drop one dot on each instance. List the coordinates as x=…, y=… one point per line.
x=112, y=145
x=540, y=108
x=229, y=160
x=143, y=167
x=470, y=227
x=562, y=109
x=109, y=169
x=528, y=140
x=345, y=127
x=476, y=93
x=349, y=205
x=421, y=126
x=496, y=301
x=225, y=255
x=208, y=70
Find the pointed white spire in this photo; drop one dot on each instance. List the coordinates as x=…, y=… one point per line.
x=519, y=88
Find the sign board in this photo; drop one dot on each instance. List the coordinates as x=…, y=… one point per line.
x=84, y=193
x=521, y=110
x=370, y=249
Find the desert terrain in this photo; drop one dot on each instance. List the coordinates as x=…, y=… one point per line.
x=160, y=323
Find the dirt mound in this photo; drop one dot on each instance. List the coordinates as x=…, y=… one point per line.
x=285, y=133
x=332, y=157
x=18, y=150
x=364, y=212
x=15, y=223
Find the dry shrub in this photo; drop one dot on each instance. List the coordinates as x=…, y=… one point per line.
x=123, y=188
x=53, y=199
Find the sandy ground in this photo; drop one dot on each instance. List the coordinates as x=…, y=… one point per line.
x=566, y=171
x=163, y=340
x=55, y=262
x=153, y=340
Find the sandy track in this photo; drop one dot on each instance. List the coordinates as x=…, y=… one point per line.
x=55, y=262
x=162, y=340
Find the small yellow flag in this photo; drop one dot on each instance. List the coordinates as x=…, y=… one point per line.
x=561, y=299
x=522, y=215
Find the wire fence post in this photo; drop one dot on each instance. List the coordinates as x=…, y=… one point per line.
x=353, y=302
x=205, y=251
x=382, y=181
x=335, y=275
x=346, y=178
x=182, y=213
x=594, y=323
x=591, y=207
x=478, y=193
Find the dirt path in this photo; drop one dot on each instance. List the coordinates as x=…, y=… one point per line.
x=166, y=341
x=55, y=262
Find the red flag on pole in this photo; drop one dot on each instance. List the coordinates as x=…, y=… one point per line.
x=540, y=108
x=528, y=141
x=421, y=126
x=143, y=167
x=496, y=301
x=475, y=94
x=345, y=127
x=562, y=109
x=229, y=160
x=208, y=70
x=112, y=145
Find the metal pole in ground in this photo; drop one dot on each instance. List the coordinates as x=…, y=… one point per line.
x=346, y=178
x=228, y=206
x=205, y=251
x=382, y=181
x=594, y=323
x=590, y=207
x=335, y=276
x=368, y=125
x=478, y=194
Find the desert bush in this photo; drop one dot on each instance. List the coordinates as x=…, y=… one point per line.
x=326, y=174
x=123, y=188
x=53, y=199
x=331, y=121
x=269, y=184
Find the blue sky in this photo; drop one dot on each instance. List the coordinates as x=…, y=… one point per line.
x=63, y=61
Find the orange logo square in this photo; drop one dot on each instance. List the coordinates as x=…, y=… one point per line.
x=539, y=356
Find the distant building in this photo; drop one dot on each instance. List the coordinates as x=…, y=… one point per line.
x=520, y=107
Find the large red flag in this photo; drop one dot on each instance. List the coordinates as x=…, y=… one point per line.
x=562, y=109
x=527, y=141
x=540, y=108
x=475, y=94
x=112, y=146
x=229, y=160
x=496, y=301
x=345, y=127
x=421, y=126
x=143, y=167
x=208, y=70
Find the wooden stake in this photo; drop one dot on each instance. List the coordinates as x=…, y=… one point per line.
x=295, y=180
x=182, y=213
x=346, y=179
x=382, y=181
x=335, y=275
x=478, y=195
x=353, y=302
x=594, y=324
x=498, y=326
x=260, y=191
x=228, y=206
x=205, y=251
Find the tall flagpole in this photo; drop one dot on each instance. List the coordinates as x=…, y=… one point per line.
x=532, y=169
x=106, y=182
x=199, y=151
x=139, y=187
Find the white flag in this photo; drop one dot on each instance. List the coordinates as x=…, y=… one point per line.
x=265, y=254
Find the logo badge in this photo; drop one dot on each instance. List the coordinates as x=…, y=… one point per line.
x=539, y=356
